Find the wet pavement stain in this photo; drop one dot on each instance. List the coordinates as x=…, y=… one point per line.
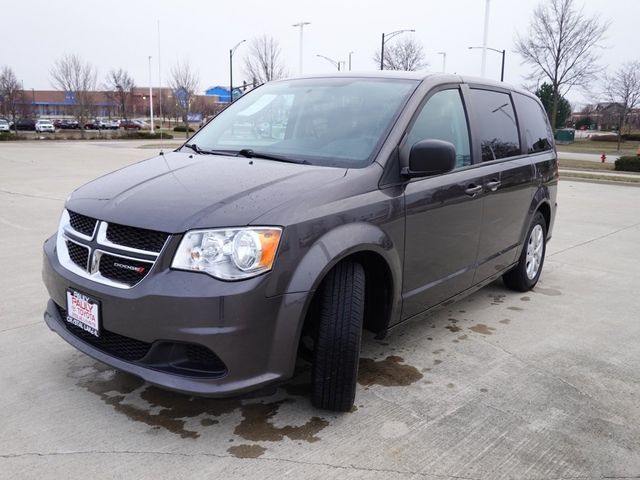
x=482, y=329
x=484, y=390
x=525, y=299
x=453, y=328
x=506, y=321
x=256, y=425
x=551, y=292
x=450, y=385
x=437, y=362
x=463, y=337
x=497, y=298
x=390, y=372
x=516, y=309
x=246, y=451
x=172, y=411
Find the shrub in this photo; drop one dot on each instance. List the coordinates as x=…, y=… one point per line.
x=181, y=128
x=147, y=135
x=628, y=164
x=631, y=136
x=604, y=138
x=7, y=136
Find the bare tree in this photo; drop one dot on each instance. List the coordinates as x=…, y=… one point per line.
x=11, y=94
x=562, y=46
x=263, y=62
x=405, y=54
x=184, y=82
x=120, y=85
x=73, y=75
x=623, y=89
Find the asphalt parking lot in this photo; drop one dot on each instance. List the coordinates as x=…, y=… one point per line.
x=542, y=385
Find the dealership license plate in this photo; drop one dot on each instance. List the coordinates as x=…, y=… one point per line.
x=83, y=312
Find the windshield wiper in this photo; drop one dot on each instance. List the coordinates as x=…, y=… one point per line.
x=200, y=151
x=249, y=153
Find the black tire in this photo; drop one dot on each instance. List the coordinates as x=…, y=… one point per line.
x=336, y=349
x=517, y=278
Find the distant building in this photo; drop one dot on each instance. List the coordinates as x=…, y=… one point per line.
x=606, y=116
x=58, y=104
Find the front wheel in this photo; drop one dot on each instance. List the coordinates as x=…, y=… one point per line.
x=336, y=349
x=526, y=273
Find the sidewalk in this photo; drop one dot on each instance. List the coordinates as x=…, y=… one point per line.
x=600, y=175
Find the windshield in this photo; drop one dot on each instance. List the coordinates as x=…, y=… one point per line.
x=324, y=121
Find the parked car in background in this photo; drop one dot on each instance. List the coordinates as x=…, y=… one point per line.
x=207, y=269
x=95, y=124
x=4, y=125
x=143, y=125
x=68, y=125
x=45, y=126
x=129, y=125
x=25, y=124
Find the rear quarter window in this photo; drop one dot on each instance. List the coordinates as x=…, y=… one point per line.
x=534, y=124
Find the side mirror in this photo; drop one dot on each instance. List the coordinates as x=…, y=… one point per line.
x=430, y=157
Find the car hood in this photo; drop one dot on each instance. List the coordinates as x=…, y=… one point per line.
x=178, y=191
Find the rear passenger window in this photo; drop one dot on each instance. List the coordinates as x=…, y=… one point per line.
x=443, y=118
x=534, y=123
x=496, y=124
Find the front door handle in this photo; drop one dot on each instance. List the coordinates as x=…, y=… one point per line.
x=472, y=190
x=493, y=185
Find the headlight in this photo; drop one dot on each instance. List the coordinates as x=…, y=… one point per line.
x=228, y=253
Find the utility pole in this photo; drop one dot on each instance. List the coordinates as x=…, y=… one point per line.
x=301, y=26
x=350, y=53
x=485, y=37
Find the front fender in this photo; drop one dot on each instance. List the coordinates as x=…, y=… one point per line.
x=340, y=243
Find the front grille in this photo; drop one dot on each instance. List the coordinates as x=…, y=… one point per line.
x=123, y=270
x=140, y=238
x=111, y=343
x=82, y=223
x=78, y=254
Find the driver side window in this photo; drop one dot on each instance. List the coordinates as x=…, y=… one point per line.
x=443, y=118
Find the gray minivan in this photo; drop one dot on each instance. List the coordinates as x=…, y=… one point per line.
x=309, y=209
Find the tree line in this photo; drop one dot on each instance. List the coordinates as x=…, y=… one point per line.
x=563, y=46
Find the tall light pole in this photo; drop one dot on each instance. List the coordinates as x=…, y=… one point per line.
x=301, y=26
x=150, y=96
x=501, y=52
x=389, y=36
x=444, y=61
x=350, y=53
x=335, y=63
x=231, y=52
x=485, y=36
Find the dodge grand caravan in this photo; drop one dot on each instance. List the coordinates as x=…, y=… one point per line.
x=308, y=210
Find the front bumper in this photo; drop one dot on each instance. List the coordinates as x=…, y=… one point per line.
x=254, y=335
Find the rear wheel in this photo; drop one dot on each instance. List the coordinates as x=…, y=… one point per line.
x=336, y=348
x=527, y=272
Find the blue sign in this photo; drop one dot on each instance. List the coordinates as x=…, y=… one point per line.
x=182, y=96
x=70, y=98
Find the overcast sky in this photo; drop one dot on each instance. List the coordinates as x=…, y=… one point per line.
x=116, y=33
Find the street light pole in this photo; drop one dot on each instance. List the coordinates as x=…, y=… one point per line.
x=389, y=36
x=231, y=52
x=335, y=63
x=501, y=52
x=350, y=53
x=444, y=61
x=301, y=26
x=150, y=96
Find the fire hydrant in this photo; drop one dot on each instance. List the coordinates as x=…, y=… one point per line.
x=603, y=158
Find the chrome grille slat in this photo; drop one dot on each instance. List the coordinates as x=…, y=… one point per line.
x=121, y=265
